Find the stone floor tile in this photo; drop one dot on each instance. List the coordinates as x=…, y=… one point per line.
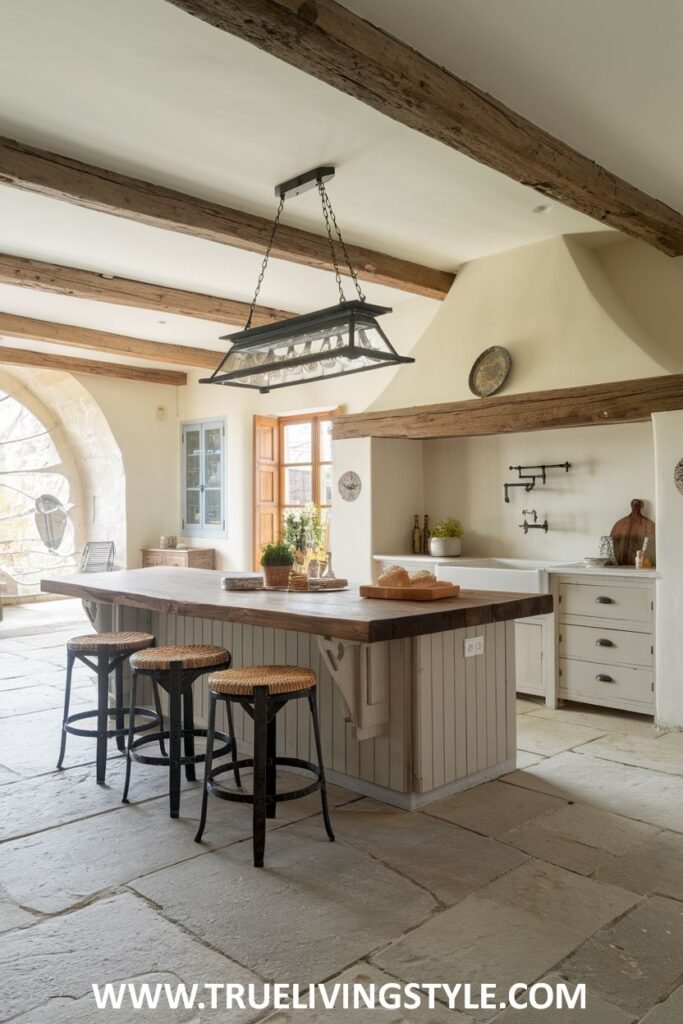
x=635, y=962
x=30, y=744
x=606, y=720
x=579, y=838
x=653, y=797
x=553, y=894
x=114, y=940
x=316, y=907
x=655, y=867
x=31, y=805
x=664, y=754
x=7, y=776
x=458, y=861
x=514, y=930
x=524, y=705
x=543, y=736
x=13, y=666
x=492, y=809
x=135, y=839
x=366, y=975
x=28, y=699
x=597, y=1011
x=12, y=915
x=525, y=758
x=670, y=1011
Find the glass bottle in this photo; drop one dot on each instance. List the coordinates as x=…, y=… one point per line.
x=417, y=537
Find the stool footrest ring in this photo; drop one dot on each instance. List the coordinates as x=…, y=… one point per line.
x=112, y=713
x=280, y=762
x=228, y=748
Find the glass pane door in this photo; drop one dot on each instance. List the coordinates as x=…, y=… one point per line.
x=193, y=470
x=212, y=469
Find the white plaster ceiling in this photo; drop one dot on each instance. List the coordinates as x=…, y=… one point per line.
x=145, y=89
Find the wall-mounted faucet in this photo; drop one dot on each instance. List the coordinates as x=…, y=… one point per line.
x=526, y=526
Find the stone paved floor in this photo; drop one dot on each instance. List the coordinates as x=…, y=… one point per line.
x=570, y=868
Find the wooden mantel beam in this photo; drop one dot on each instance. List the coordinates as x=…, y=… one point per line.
x=624, y=401
x=45, y=361
x=94, y=188
x=327, y=41
x=88, y=284
x=103, y=341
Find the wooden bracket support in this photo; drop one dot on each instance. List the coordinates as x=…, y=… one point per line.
x=361, y=671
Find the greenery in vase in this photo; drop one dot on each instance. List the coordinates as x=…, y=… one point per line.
x=448, y=528
x=277, y=554
x=304, y=530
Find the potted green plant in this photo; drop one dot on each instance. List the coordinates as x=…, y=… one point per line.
x=445, y=539
x=277, y=561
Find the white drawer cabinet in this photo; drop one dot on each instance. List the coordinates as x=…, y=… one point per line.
x=605, y=641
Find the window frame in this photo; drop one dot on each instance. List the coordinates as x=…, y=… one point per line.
x=203, y=529
x=316, y=463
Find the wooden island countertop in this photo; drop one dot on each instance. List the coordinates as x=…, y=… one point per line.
x=342, y=614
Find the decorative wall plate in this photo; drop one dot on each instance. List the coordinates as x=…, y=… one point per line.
x=490, y=371
x=349, y=485
x=678, y=475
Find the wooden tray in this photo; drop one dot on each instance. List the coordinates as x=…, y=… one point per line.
x=410, y=593
x=629, y=533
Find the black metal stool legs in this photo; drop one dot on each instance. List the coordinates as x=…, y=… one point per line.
x=175, y=728
x=102, y=711
x=313, y=705
x=70, y=658
x=131, y=720
x=120, y=726
x=260, y=772
x=188, y=734
x=209, y=762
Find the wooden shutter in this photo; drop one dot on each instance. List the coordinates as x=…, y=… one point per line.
x=266, y=484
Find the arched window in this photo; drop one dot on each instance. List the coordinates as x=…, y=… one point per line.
x=36, y=530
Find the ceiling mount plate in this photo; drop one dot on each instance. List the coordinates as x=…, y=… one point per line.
x=303, y=182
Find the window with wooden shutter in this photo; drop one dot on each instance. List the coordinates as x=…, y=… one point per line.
x=266, y=484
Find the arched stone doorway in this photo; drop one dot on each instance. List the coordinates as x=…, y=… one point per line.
x=62, y=481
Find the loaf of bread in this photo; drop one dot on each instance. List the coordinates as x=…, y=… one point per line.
x=422, y=578
x=394, y=576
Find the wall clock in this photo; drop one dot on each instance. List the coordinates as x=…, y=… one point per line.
x=490, y=371
x=349, y=485
x=678, y=475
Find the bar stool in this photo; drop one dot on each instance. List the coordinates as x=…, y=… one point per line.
x=262, y=690
x=110, y=651
x=175, y=669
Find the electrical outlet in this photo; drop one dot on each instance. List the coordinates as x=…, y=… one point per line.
x=473, y=646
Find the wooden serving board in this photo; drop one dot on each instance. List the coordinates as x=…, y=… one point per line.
x=410, y=593
x=628, y=534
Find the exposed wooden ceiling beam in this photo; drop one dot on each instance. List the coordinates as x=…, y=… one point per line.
x=327, y=41
x=624, y=401
x=87, y=284
x=147, y=375
x=104, y=341
x=60, y=177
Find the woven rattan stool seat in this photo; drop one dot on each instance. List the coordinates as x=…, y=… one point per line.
x=158, y=659
x=278, y=679
x=118, y=642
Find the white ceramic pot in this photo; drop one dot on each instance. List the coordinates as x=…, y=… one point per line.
x=445, y=547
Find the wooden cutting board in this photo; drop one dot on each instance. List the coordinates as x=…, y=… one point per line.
x=410, y=593
x=628, y=535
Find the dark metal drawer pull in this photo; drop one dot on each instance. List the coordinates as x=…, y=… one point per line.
x=604, y=679
x=604, y=643
x=604, y=600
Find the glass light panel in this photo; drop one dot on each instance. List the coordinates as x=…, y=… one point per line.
x=298, y=485
x=297, y=443
x=326, y=441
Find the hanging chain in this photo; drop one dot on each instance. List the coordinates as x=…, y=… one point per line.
x=324, y=202
x=329, y=215
x=259, y=282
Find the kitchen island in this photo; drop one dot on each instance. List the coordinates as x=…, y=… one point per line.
x=405, y=716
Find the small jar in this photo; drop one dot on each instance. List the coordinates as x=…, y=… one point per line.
x=640, y=556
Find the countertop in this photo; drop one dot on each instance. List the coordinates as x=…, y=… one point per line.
x=344, y=615
x=554, y=567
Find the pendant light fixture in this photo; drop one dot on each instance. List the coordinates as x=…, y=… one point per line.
x=332, y=342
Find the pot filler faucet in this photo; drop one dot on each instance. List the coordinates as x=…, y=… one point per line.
x=526, y=526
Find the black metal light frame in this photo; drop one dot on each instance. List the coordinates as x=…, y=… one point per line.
x=353, y=311
x=348, y=318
